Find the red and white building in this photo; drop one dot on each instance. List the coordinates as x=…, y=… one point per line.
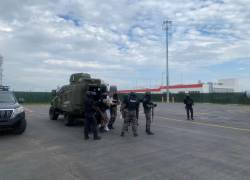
x=224, y=85
x=172, y=89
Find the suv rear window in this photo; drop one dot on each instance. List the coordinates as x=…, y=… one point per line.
x=7, y=97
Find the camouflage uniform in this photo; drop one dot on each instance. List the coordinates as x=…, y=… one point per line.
x=123, y=109
x=130, y=117
x=132, y=109
x=148, y=119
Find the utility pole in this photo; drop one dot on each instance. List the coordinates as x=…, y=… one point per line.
x=1, y=70
x=166, y=25
x=162, y=78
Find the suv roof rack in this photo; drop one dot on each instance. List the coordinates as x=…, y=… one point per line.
x=4, y=88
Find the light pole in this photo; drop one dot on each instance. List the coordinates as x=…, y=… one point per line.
x=166, y=25
x=1, y=70
x=162, y=78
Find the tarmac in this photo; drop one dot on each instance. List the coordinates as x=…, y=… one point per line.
x=214, y=146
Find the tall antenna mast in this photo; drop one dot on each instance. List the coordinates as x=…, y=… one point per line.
x=166, y=26
x=1, y=70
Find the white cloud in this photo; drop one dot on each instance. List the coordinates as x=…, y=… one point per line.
x=122, y=41
x=5, y=28
x=79, y=64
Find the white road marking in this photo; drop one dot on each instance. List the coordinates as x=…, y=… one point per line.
x=205, y=124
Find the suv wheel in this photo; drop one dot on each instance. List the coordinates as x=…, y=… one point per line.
x=20, y=127
x=68, y=119
x=53, y=115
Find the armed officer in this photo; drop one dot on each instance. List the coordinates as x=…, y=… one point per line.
x=90, y=120
x=123, y=109
x=189, y=107
x=148, y=107
x=113, y=110
x=132, y=107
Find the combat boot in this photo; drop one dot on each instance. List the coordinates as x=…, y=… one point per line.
x=122, y=134
x=101, y=129
x=149, y=132
x=110, y=126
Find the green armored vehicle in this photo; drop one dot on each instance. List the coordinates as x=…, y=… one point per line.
x=69, y=99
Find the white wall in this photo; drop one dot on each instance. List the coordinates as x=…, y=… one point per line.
x=231, y=85
x=186, y=90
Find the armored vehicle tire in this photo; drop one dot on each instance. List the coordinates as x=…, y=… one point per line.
x=53, y=115
x=68, y=119
x=20, y=127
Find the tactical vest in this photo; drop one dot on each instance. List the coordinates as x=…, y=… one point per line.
x=132, y=104
x=146, y=102
x=189, y=102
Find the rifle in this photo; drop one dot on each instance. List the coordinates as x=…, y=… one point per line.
x=152, y=107
x=137, y=113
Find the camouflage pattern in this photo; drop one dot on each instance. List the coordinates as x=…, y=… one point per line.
x=69, y=99
x=148, y=115
x=130, y=117
x=124, y=113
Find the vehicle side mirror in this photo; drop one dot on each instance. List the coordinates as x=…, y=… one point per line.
x=53, y=92
x=21, y=100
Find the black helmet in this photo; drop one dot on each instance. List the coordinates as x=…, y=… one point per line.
x=115, y=95
x=132, y=95
x=148, y=93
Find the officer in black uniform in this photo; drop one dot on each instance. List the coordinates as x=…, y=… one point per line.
x=132, y=105
x=189, y=107
x=148, y=106
x=90, y=120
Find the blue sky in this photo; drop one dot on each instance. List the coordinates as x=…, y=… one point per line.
x=122, y=42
